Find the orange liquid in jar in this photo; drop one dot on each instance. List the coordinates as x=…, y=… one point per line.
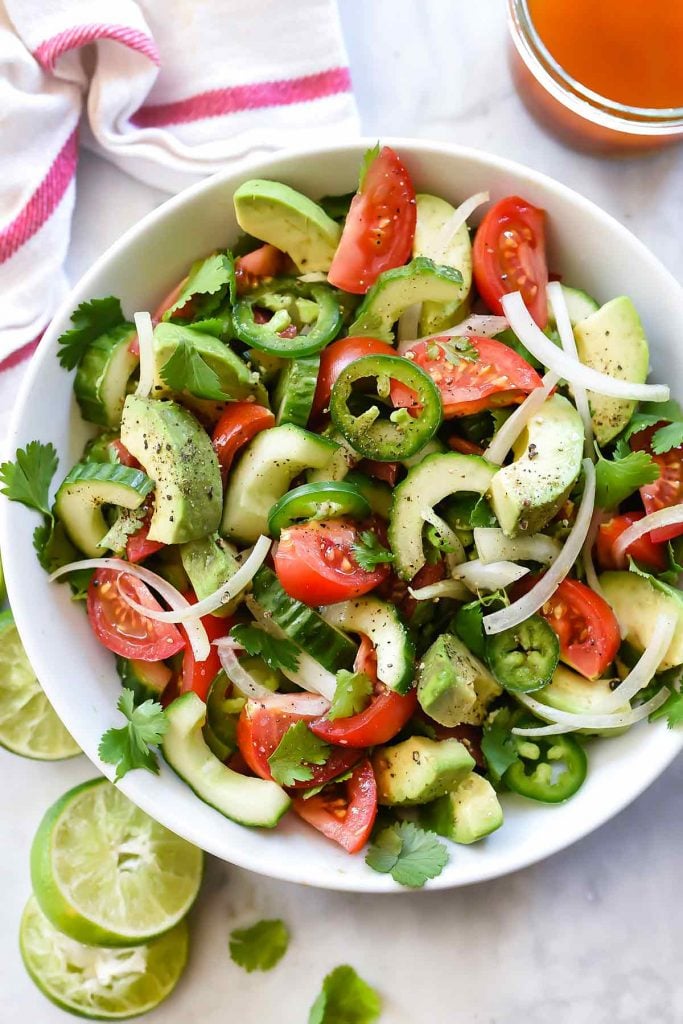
x=628, y=51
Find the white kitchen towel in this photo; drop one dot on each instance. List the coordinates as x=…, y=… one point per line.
x=169, y=90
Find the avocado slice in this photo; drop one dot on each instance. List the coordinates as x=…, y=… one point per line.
x=527, y=494
x=278, y=214
x=612, y=340
x=419, y=770
x=637, y=603
x=209, y=564
x=468, y=813
x=433, y=215
x=454, y=687
x=569, y=691
x=176, y=452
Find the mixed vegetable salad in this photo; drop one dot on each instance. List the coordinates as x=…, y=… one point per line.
x=340, y=519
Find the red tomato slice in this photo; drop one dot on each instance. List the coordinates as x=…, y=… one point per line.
x=185, y=312
x=585, y=625
x=337, y=357
x=344, y=812
x=120, y=628
x=469, y=735
x=198, y=675
x=266, y=261
x=643, y=550
x=395, y=590
x=315, y=562
x=239, y=423
x=380, y=226
x=498, y=377
x=668, y=489
x=509, y=256
x=138, y=545
x=262, y=725
x=386, y=471
x=465, y=447
x=123, y=455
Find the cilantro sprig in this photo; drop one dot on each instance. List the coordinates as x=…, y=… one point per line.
x=352, y=694
x=129, y=747
x=298, y=749
x=369, y=552
x=616, y=479
x=277, y=652
x=207, y=283
x=409, y=854
x=648, y=415
x=498, y=745
x=345, y=999
x=28, y=480
x=260, y=947
x=90, y=320
x=369, y=157
x=187, y=370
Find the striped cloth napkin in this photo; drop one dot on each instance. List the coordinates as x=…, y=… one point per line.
x=169, y=90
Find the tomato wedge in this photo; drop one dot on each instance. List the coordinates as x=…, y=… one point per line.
x=644, y=550
x=668, y=489
x=198, y=675
x=585, y=625
x=123, y=630
x=344, y=812
x=337, y=357
x=239, y=423
x=262, y=725
x=380, y=225
x=509, y=256
x=465, y=447
x=266, y=261
x=497, y=376
x=315, y=562
x=185, y=312
x=139, y=546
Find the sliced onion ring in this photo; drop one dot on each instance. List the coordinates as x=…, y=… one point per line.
x=558, y=304
x=493, y=546
x=564, y=721
x=648, y=663
x=143, y=325
x=501, y=442
x=587, y=554
x=237, y=673
x=576, y=373
x=542, y=591
x=488, y=576
x=460, y=216
x=481, y=325
x=196, y=634
x=309, y=674
x=442, y=588
x=672, y=516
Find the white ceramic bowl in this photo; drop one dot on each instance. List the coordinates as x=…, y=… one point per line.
x=588, y=247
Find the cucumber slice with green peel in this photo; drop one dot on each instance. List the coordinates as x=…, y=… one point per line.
x=246, y=800
x=264, y=473
x=382, y=624
x=89, y=486
x=341, y=462
x=209, y=563
x=309, y=630
x=29, y=726
x=428, y=483
x=92, y=843
x=433, y=215
x=295, y=389
x=147, y=679
x=97, y=982
x=223, y=711
x=579, y=305
x=235, y=378
x=376, y=492
x=103, y=377
x=395, y=290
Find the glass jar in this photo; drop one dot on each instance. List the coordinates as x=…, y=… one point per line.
x=571, y=110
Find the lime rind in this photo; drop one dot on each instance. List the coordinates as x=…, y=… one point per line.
x=97, y=982
x=107, y=874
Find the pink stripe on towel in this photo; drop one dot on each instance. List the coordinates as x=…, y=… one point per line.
x=49, y=52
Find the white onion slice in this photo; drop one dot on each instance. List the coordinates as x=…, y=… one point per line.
x=309, y=674
x=237, y=673
x=442, y=588
x=648, y=663
x=448, y=536
x=501, y=442
x=225, y=593
x=672, y=516
x=493, y=546
x=564, y=721
x=576, y=373
x=492, y=576
x=558, y=304
x=143, y=325
x=480, y=325
x=587, y=553
x=196, y=634
x=456, y=220
x=313, y=277
x=542, y=591
x=407, y=327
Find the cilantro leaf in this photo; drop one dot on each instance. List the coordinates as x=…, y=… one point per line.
x=616, y=479
x=210, y=278
x=458, y=349
x=314, y=790
x=90, y=320
x=260, y=947
x=345, y=999
x=498, y=745
x=352, y=694
x=651, y=413
x=128, y=747
x=186, y=370
x=369, y=157
x=369, y=553
x=408, y=853
x=297, y=750
x=277, y=652
x=127, y=522
x=28, y=478
x=673, y=710
x=666, y=438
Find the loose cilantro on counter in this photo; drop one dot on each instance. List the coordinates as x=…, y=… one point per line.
x=260, y=947
x=345, y=999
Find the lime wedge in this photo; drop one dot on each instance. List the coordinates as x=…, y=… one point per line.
x=107, y=874
x=3, y=589
x=96, y=982
x=28, y=724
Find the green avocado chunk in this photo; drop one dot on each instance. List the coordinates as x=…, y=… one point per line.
x=209, y=564
x=637, y=603
x=454, y=687
x=419, y=770
x=466, y=814
x=431, y=240
x=235, y=378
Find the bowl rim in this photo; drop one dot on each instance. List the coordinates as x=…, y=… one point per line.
x=135, y=785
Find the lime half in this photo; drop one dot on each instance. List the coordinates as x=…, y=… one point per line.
x=3, y=589
x=106, y=873
x=28, y=724
x=96, y=982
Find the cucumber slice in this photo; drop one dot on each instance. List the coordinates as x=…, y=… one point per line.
x=88, y=487
x=147, y=679
x=395, y=290
x=102, y=378
x=341, y=462
x=263, y=474
x=376, y=492
x=428, y=483
x=294, y=391
x=245, y=800
x=309, y=630
x=579, y=306
x=382, y=624
x=433, y=214
x=433, y=447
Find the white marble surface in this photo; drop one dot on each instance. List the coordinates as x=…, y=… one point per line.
x=593, y=935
